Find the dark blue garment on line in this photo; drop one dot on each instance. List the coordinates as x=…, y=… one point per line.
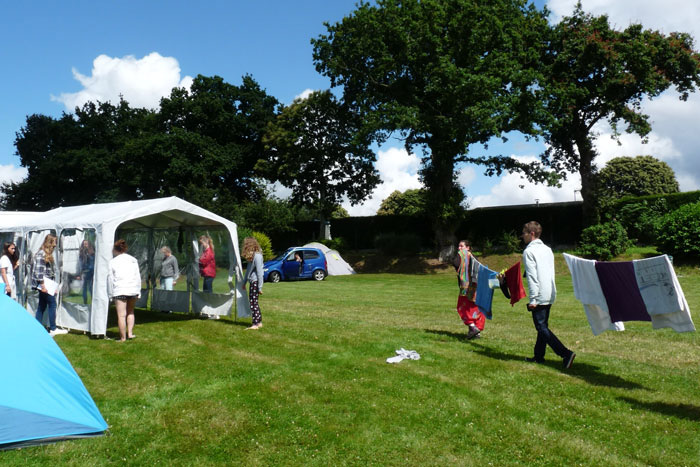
x=484, y=293
x=619, y=285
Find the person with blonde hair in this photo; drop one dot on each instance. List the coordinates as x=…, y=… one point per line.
x=169, y=269
x=207, y=263
x=43, y=268
x=253, y=274
x=124, y=287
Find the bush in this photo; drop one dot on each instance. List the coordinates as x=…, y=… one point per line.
x=487, y=247
x=262, y=239
x=509, y=242
x=338, y=243
x=641, y=220
x=393, y=243
x=243, y=232
x=679, y=231
x=604, y=241
x=265, y=244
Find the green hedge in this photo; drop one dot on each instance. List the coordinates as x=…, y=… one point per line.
x=561, y=223
x=494, y=226
x=673, y=200
x=679, y=231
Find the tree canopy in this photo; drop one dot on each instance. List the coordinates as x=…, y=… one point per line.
x=75, y=159
x=407, y=203
x=202, y=145
x=444, y=75
x=594, y=74
x=635, y=176
x=316, y=147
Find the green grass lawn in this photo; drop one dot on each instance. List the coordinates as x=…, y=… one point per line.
x=312, y=386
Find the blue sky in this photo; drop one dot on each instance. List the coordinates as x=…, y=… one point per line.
x=58, y=54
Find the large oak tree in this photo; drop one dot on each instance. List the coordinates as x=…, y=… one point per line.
x=598, y=74
x=443, y=74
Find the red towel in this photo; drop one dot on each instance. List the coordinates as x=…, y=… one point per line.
x=515, y=284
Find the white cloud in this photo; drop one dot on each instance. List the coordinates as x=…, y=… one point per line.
x=513, y=189
x=280, y=190
x=142, y=82
x=630, y=145
x=667, y=16
x=398, y=170
x=465, y=176
x=304, y=94
x=11, y=173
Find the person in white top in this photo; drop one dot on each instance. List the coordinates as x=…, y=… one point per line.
x=538, y=261
x=8, y=264
x=124, y=287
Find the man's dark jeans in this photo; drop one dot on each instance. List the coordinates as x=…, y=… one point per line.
x=540, y=316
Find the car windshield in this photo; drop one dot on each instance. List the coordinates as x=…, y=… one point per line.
x=278, y=258
x=281, y=257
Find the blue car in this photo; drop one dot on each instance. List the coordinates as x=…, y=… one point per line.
x=297, y=263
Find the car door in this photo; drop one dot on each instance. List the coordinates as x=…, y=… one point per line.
x=311, y=259
x=291, y=267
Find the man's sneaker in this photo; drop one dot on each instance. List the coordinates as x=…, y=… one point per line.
x=57, y=332
x=473, y=333
x=533, y=360
x=569, y=360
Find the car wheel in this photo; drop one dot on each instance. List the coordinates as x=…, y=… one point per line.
x=274, y=276
x=319, y=274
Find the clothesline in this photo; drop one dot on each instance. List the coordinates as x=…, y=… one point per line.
x=483, y=277
x=638, y=290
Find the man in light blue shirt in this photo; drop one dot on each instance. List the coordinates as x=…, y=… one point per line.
x=538, y=262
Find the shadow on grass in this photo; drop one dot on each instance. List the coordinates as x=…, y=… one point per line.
x=460, y=336
x=375, y=262
x=591, y=374
x=144, y=316
x=685, y=411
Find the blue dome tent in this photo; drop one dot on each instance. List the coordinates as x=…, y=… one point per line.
x=42, y=399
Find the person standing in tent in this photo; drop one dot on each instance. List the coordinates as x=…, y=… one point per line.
x=124, y=287
x=8, y=263
x=43, y=270
x=86, y=258
x=253, y=274
x=539, y=270
x=466, y=308
x=207, y=264
x=169, y=269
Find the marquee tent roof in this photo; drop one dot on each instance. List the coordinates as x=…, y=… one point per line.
x=106, y=219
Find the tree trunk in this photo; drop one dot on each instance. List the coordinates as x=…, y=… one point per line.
x=443, y=201
x=587, y=153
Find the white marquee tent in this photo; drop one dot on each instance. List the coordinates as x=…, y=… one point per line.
x=146, y=221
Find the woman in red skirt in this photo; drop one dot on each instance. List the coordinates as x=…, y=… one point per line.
x=466, y=278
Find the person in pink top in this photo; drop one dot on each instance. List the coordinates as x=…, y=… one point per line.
x=207, y=264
